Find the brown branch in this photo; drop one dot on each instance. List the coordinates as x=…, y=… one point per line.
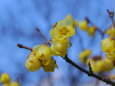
x=111, y=15
x=22, y=46
x=43, y=36
x=90, y=69
x=108, y=81
x=98, y=29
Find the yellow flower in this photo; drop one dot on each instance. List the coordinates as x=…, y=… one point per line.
x=93, y=65
x=75, y=23
x=59, y=48
x=50, y=67
x=111, y=55
x=46, y=62
x=91, y=31
x=62, y=33
x=6, y=84
x=83, y=25
x=84, y=55
x=69, y=20
x=111, y=31
x=43, y=52
x=99, y=65
x=14, y=84
x=33, y=63
x=108, y=63
x=107, y=45
x=102, y=67
x=5, y=78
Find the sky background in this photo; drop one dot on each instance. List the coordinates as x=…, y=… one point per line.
x=18, y=19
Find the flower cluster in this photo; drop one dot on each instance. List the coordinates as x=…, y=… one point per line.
x=107, y=46
x=41, y=55
x=6, y=81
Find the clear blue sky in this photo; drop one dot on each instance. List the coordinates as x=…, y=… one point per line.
x=18, y=19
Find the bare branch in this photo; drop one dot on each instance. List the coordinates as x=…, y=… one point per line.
x=111, y=15
x=22, y=46
x=90, y=69
x=108, y=81
x=43, y=36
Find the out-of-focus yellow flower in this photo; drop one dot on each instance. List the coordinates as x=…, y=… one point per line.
x=107, y=45
x=91, y=31
x=100, y=65
x=14, y=84
x=84, y=55
x=83, y=25
x=6, y=84
x=111, y=31
x=112, y=77
x=51, y=66
x=108, y=63
x=5, y=78
x=59, y=48
x=111, y=55
x=93, y=65
x=33, y=63
x=75, y=23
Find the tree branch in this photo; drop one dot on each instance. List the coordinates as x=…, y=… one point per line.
x=89, y=73
x=111, y=15
x=43, y=36
x=22, y=46
x=108, y=81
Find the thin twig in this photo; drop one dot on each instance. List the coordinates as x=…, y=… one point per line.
x=98, y=29
x=111, y=15
x=43, y=36
x=22, y=46
x=90, y=69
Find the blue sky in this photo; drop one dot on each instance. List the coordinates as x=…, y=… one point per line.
x=18, y=19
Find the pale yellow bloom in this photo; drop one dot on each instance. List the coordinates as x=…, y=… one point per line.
x=14, y=84
x=111, y=31
x=84, y=55
x=5, y=78
x=6, y=84
x=33, y=63
x=108, y=63
x=62, y=33
x=43, y=52
x=83, y=25
x=107, y=45
x=51, y=66
x=59, y=48
x=91, y=31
